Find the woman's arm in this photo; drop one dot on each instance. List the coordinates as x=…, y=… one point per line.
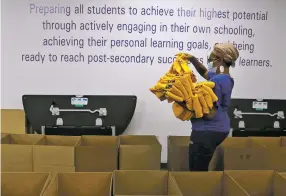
x=201, y=69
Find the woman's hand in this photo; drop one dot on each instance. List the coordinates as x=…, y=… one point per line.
x=185, y=55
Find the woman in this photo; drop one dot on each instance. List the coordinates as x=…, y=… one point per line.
x=211, y=130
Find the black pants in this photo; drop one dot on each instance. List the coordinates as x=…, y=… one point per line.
x=202, y=147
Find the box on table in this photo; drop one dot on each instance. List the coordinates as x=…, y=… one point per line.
x=260, y=182
x=240, y=153
x=275, y=150
x=97, y=154
x=178, y=153
x=55, y=154
x=78, y=183
x=147, y=182
x=17, y=152
x=24, y=184
x=139, y=152
x=207, y=184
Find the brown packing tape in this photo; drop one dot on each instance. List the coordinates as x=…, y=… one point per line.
x=144, y=183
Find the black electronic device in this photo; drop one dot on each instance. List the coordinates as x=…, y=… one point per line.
x=258, y=117
x=79, y=115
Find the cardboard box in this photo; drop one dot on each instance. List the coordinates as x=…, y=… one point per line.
x=76, y=184
x=275, y=150
x=13, y=121
x=55, y=154
x=178, y=153
x=240, y=153
x=139, y=152
x=207, y=184
x=148, y=182
x=97, y=154
x=17, y=152
x=4, y=134
x=24, y=184
x=262, y=183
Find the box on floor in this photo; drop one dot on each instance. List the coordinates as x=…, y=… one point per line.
x=262, y=183
x=275, y=150
x=207, y=184
x=139, y=152
x=97, y=154
x=240, y=153
x=77, y=183
x=231, y=183
x=55, y=154
x=147, y=182
x=24, y=184
x=178, y=153
x=17, y=152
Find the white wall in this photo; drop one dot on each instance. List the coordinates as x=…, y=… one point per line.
x=22, y=33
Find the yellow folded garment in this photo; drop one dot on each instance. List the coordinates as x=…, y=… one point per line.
x=178, y=87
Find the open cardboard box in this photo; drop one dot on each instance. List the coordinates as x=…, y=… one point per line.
x=97, y=154
x=260, y=183
x=139, y=152
x=178, y=153
x=240, y=153
x=148, y=182
x=4, y=134
x=55, y=154
x=207, y=184
x=17, y=152
x=275, y=150
x=24, y=184
x=77, y=183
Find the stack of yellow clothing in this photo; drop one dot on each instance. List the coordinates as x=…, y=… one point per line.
x=190, y=99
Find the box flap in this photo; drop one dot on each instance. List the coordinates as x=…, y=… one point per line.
x=13, y=121
x=279, y=184
x=75, y=184
x=268, y=141
x=21, y=139
x=255, y=182
x=138, y=140
x=4, y=134
x=179, y=140
x=140, y=182
x=195, y=183
x=54, y=140
x=99, y=141
x=13, y=184
x=231, y=187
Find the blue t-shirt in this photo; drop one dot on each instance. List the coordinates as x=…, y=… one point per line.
x=223, y=89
